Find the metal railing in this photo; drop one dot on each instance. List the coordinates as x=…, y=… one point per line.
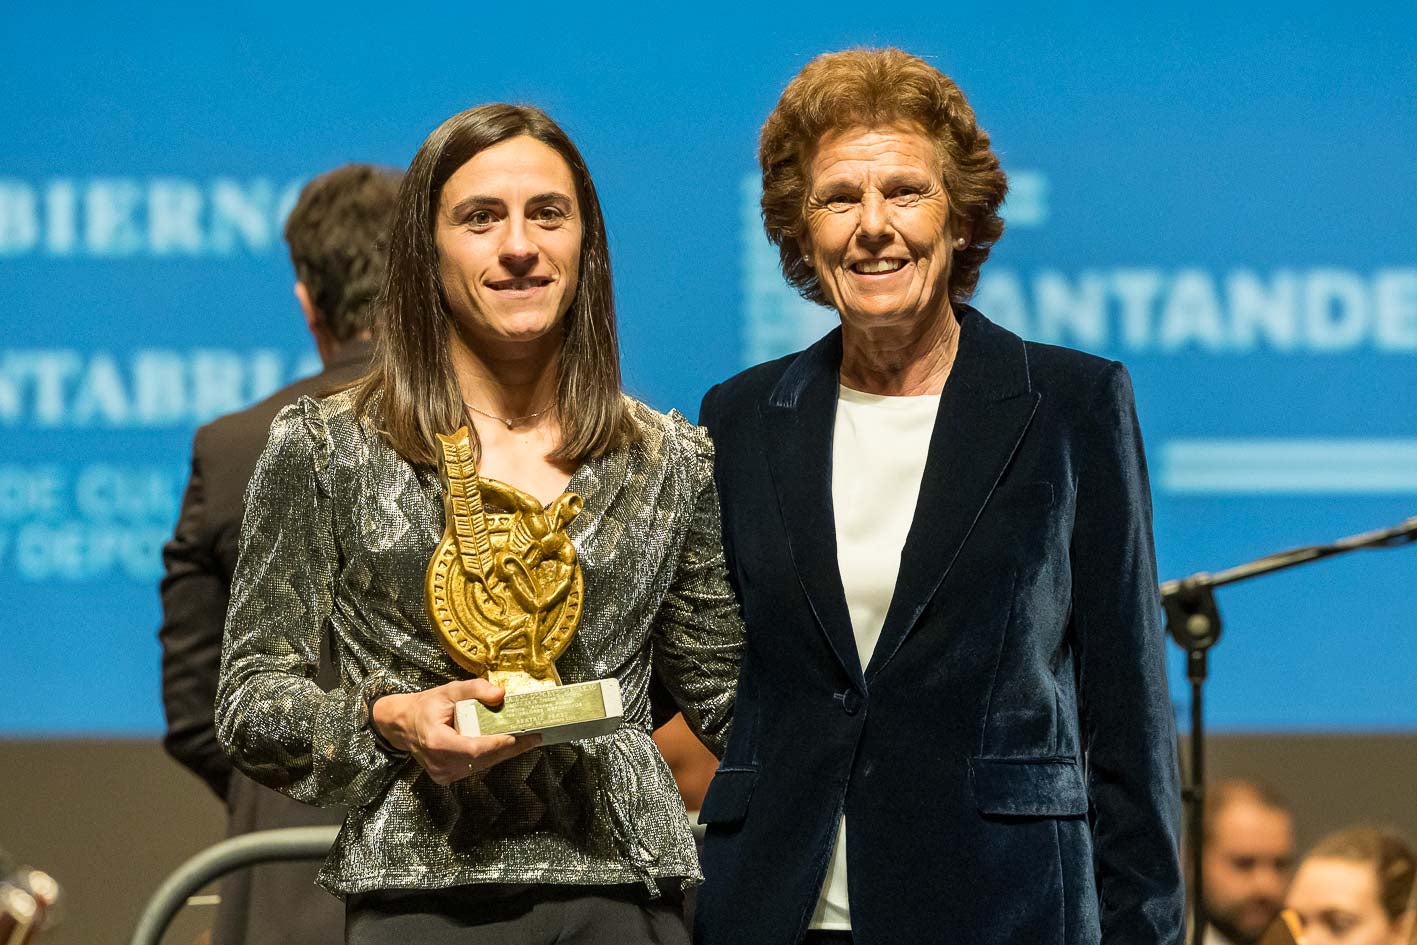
x=262, y=846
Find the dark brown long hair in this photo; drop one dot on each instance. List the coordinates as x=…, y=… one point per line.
x=411, y=393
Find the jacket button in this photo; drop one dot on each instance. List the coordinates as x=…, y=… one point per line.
x=850, y=701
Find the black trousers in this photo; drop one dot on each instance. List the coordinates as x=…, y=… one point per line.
x=517, y=915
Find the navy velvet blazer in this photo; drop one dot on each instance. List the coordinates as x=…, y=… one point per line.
x=1006, y=762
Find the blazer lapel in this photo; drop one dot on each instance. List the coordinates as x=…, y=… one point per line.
x=985, y=409
x=798, y=420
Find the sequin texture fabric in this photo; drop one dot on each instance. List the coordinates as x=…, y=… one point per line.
x=338, y=533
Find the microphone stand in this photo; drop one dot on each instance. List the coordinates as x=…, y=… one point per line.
x=1193, y=620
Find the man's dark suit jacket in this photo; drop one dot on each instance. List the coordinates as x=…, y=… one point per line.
x=265, y=905
x=1006, y=761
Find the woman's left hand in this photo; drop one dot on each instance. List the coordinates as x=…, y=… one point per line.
x=421, y=723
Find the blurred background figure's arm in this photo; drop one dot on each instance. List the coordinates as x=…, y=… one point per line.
x=194, y=597
x=689, y=761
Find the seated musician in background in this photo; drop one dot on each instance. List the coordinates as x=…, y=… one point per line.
x=1248, y=859
x=1356, y=887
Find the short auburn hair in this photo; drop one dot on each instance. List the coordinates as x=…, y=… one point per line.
x=870, y=88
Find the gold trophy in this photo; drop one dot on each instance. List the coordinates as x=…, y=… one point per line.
x=504, y=591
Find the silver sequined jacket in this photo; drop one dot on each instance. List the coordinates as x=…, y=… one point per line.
x=338, y=533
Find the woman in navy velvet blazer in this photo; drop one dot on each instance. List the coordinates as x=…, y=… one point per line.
x=953, y=722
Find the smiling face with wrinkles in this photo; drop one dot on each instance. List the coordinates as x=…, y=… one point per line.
x=877, y=227
x=509, y=243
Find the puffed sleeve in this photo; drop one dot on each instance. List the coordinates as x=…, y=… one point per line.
x=273, y=720
x=698, y=645
x=1128, y=729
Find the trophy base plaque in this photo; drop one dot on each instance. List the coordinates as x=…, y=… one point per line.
x=558, y=714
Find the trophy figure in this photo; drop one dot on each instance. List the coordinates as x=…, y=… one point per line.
x=504, y=591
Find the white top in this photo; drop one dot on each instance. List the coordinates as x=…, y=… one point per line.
x=1213, y=936
x=878, y=459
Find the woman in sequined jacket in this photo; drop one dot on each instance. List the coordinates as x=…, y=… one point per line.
x=497, y=315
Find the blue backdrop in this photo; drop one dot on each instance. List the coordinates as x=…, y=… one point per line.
x=1221, y=200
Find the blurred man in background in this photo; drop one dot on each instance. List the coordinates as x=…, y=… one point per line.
x=337, y=236
x=1247, y=861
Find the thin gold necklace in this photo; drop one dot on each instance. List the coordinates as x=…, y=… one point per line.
x=509, y=421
